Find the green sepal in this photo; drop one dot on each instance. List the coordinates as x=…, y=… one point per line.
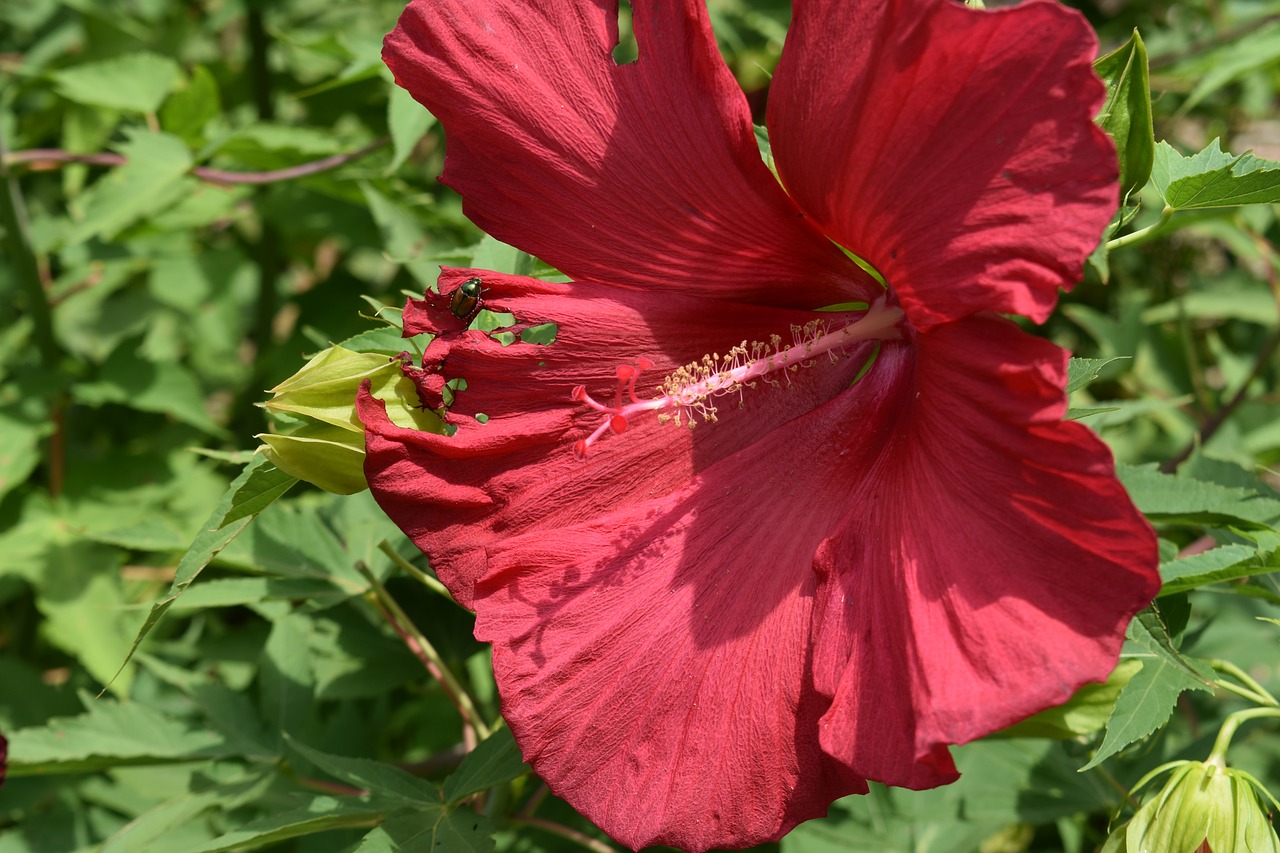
x=326, y=386
x=324, y=455
x=1126, y=115
x=317, y=435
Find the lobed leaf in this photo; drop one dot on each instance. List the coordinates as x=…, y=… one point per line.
x=372, y=777
x=1214, y=178
x=150, y=180
x=1144, y=705
x=110, y=734
x=1173, y=497
x=136, y=81
x=1224, y=563
x=1082, y=372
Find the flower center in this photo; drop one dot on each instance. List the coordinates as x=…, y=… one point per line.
x=689, y=393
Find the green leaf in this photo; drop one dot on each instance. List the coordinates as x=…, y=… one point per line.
x=495, y=761
x=1237, y=58
x=191, y=108
x=213, y=537
x=228, y=711
x=493, y=254
x=1126, y=115
x=762, y=143
x=1224, y=563
x=236, y=592
x=1075, y=414
x=136, y=81
x=404, y=238
x=165, y=387
x=1144, y=704
x=1082, y=372
x=266, y=484
x=86, y=609
x=20, y=437
x=150, y=180
x=408, y=122
x=1214, y=178
x=1170, y=497
x=151, y=832
x=1254, y=305
x=317, y=814
x=371, y=776
x=294, y=542
x=286, y=677
x=1149, y=630
x=460, y=831
x=109, y=734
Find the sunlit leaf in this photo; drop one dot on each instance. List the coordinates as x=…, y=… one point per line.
x=1126, y=115
x=135, y=81
x=1214, y=178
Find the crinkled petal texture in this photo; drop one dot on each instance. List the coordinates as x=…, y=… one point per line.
x=703, y=637
x=950, y=147
x=645, y=174
x=462, y=493
x=987, y=565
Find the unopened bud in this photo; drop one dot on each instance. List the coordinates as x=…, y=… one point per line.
x=1202, y=807
x=316, y=435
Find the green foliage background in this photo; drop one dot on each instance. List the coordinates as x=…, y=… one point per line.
x=149, y=298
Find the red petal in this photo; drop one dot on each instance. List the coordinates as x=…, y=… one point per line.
x=644, y=175
x=656, y=643
x=433, y=313
x=987, y=567
x=654, y=661
x=455, y=495
x=951, y=148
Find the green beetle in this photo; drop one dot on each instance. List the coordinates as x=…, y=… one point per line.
x=466, y=299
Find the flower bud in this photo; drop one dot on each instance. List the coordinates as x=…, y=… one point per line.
x=1203, y=808
x=316, y=435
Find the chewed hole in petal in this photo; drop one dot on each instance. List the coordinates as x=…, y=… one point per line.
x=625, y=48
x=543, y=334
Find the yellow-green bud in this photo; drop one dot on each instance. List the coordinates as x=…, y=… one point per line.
x=316, y=435
x=1203, y=808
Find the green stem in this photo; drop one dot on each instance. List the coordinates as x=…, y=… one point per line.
x=424, y=651
x=1242, y=692
x=47, y=157
x=413, y=571
x=1142, y=233
x=1228, y=668
x=1228, y=731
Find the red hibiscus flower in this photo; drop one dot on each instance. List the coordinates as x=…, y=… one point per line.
x=881, y=539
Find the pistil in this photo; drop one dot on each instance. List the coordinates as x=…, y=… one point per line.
x=689, y=393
